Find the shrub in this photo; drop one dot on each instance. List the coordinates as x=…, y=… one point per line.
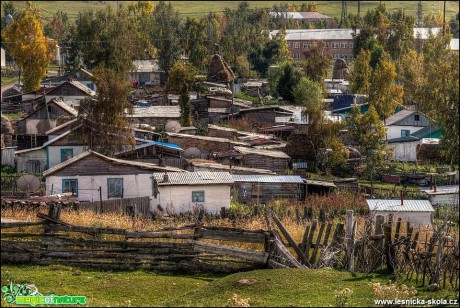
x=236, y=301
x=341, y=297
x=392, y=291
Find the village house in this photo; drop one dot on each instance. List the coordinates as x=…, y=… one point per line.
x=70, y=91
x=444, y=196
x=32, y=161
x=404, y=123
x=258, y=158
x=207, y=145
x=81, y=75
x=45, y=117
x=416, y=212
x=187, y=192
x=91, y=176
x=145, y=72
x=211, y=166
x=156, y=116
x=262, y=115
x=263, y=188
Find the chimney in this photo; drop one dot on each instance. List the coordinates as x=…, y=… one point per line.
x=402, y=198
x=165, y=178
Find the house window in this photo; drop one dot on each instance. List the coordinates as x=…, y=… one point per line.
x=66, y=154
x=296, y=45
x=289, y=45
x=115, y=188
x=296, y=56
x=70, y=185
x=305, y=45
x=405, y=132
x=350, y=45
x=344, y=45
x=417, y=117
x=198, y=196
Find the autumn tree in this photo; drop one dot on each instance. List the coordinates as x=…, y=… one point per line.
x=58, y=26
x=361, y=73
x=27, y=45
x=310, y=94
x=385, y=95
x=317, y=62
x=164, y=32
x=410, y=69
x=101, y=122
x=368, y=134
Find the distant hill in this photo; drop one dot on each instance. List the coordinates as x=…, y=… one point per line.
x=201, y=8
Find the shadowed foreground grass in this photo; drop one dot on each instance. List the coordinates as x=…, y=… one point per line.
x=271, y=288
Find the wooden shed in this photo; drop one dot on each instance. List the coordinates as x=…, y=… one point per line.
x=221, y=132
x=258, y=158
x=416, y=212
x=262, y=188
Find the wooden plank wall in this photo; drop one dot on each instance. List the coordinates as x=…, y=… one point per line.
x=139, y=206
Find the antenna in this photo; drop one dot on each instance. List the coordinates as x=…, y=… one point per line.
x=343, y=18
x=28, y=183
x=192, y=152
x=173, y=127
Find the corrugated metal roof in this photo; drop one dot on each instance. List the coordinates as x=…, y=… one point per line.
x=156, y=112
x=398, y=116
x=214, y=165
x=268, y=178
x=207, y=138
x=228, y=129
x=317, y=34
x=145, y=66
x=275, y=154
x=394, y=205
x=193, y=178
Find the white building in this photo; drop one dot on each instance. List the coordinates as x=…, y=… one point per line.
x=184, y=192
x=416, y=212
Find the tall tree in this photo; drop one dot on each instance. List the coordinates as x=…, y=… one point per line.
x=27, y=45
x=58, y=26
x=401, y=36
x=384, y=94
x=410, y=74
x=286, y=83
x=184, y=103
x=317, y=62
x=309, y=93
x=102, y=122
x=368, y=134
x=361, y=73
x=164, y=33
x=194, y=41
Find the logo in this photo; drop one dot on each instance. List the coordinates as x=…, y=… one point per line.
x=27, y=294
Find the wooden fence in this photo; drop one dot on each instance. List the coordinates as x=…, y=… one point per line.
x=139, y=206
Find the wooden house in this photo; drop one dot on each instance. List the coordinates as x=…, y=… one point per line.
x=63, y=147
x=32, y=161
x=8, y=156
x=416, y=212
x=205, y=144
x=444, y=195
x=81, y=75
x=145, y=72
x=71, y=91
x=44, y=117
x=404, y=123
x=264, y=115
x=211, y=166
x=91, y=176
x=258, y=158
x=156, y=116
x=151, y=149
x=187, y=192
x=58, y=130
x=222, y=132
x=263, y=188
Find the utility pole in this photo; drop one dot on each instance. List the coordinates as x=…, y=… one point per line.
x=419, y=14
x=343, y=18
x=359, y=8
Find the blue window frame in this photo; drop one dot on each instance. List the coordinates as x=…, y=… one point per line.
x=115, y=188
x=66, y=154
x=405, y=132
x=70, y=185
x=198, y=196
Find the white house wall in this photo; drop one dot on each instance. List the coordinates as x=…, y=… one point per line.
x=394, y=131
x=414, y=218
x=404, y=151
x=54, y=153
x=179, y=198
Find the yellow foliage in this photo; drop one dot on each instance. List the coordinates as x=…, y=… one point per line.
x=31, y=50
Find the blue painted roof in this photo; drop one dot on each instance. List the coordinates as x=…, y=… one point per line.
x=168, y=145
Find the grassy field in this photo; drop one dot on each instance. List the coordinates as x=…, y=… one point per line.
x=274, y=288
x=200, y=8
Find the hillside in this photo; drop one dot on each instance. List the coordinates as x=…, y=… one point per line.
x=200, y=8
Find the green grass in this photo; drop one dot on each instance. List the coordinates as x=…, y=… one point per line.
x=8, y=80
x=201, y=8
x=281, y=288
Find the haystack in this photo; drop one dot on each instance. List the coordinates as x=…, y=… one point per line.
x=6, y=133
x=219, y=71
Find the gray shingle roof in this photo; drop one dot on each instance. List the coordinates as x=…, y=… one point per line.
x=275, y=154
x=398, y=116
x=394, y=205
x=156, y=112
x=193, y=178
x=268, y=178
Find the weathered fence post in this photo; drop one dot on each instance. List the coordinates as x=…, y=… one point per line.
x=350, y=242
x=322, y=215
x=389, y=249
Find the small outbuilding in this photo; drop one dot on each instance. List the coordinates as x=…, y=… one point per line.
x=416, y=212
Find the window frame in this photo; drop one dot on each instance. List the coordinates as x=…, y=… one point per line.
x=416, y=117
x=405, y=132
x=296, y=45
x=115, y=195
x=194, y=194
x=64, y=150
x=70, y=185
